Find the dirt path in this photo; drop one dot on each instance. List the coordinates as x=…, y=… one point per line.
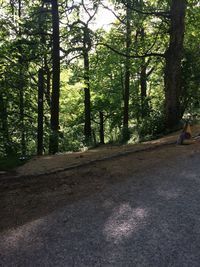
x=66, y=161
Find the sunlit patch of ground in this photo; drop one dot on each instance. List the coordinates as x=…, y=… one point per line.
x=47, y=164
x=123, y=221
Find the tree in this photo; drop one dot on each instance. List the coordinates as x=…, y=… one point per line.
x=21, y=81
x=125, y=133
x=81, y=44
x=4, y=124
x=173, y=57
x=40, y=127
x=54, y=136
x=86, y=49
x=113, y=83
x=190, y=93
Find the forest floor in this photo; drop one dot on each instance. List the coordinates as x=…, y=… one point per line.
x=45, y=183
x=67, y=161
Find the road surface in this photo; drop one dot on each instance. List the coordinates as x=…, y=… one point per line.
x=152, y=218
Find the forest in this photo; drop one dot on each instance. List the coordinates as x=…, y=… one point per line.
x=77, y=74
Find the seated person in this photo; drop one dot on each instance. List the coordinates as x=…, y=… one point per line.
x=186, y=135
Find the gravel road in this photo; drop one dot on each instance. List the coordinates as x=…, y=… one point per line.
x=150, y=219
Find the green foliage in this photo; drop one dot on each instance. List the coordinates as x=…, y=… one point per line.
x=11, y=162
x=152, y=126
x=190, y=99
x=24, y=52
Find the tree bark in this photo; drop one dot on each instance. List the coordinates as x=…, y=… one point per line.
x=21, y=110
x=143, y=89
x=46, y=70
x=54, y=137
x=4, y=125
x=126, y=133
x=47, y=89
x=87, y=102
x=40, y=112
x=101, y=130
x=172, y=77
x=21, y=85
x=48, y=86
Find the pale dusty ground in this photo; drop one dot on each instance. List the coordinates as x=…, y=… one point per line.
x=49, y=164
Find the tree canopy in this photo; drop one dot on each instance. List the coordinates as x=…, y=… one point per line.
x=68, y=81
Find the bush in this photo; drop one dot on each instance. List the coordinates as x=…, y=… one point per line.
x=152, y=126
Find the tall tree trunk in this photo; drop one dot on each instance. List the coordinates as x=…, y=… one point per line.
x=4, y=125
x=46, y=70
x=126, y=133
x=87, y=104
x=48, y=85
x=21, y=110
x=173, y=64
x=54, y=137
x=101, y=130
x=143, y=89
x=40, y=112
x=21, y=85
x=143, y=80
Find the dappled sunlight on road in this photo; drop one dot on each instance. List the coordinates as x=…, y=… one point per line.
x=15, y=238
x=123, y=222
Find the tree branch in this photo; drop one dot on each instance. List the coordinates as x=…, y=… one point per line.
x=117, y=17
x=150, y=71
x=149, y=13
x=91, y=16
x=132, y=56
x=70, y=50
